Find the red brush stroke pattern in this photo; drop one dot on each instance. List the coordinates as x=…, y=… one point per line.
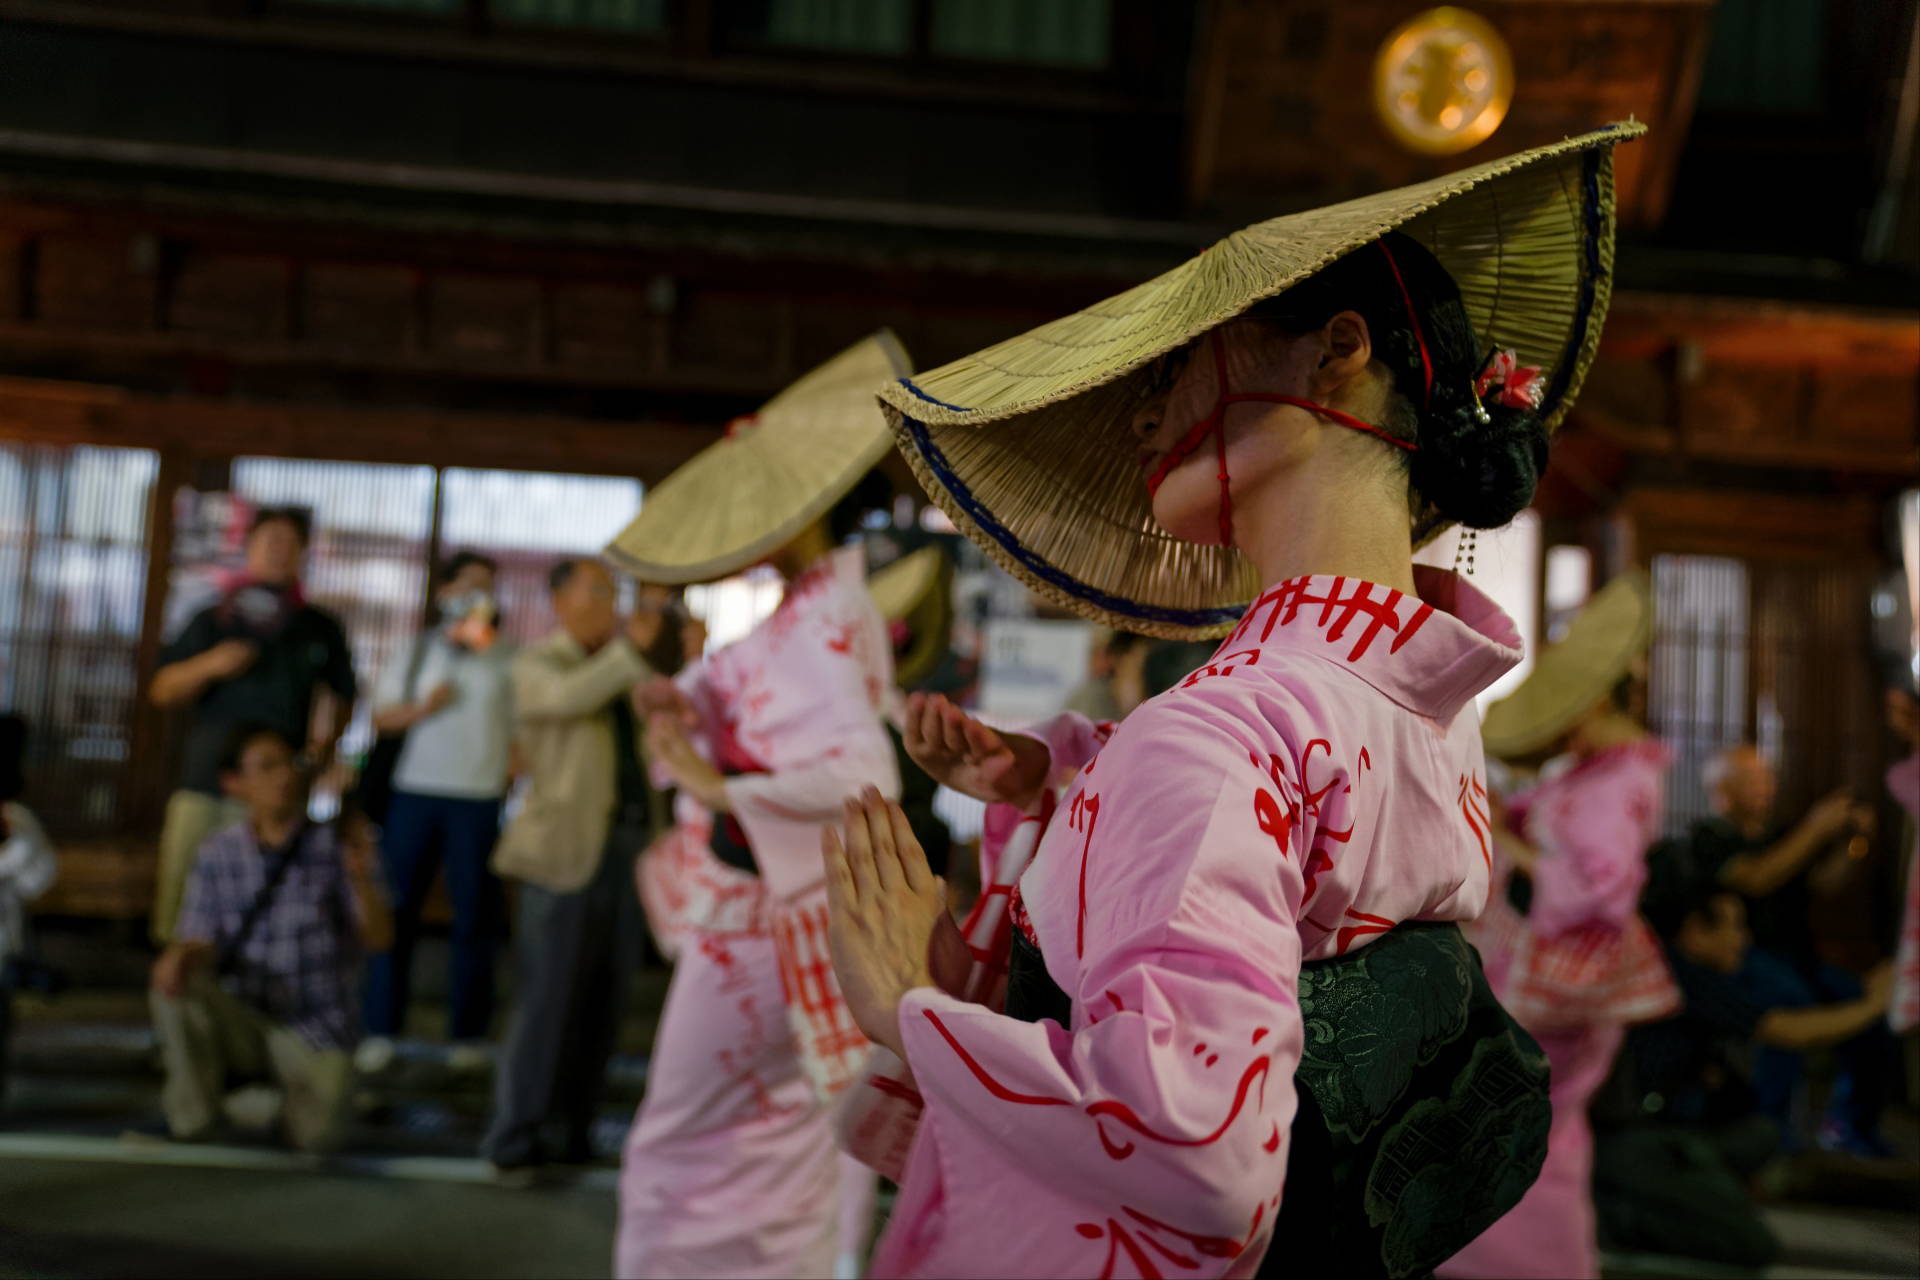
x=1282, y=605
x=980, y=1073
x=1473, y=807
x=1120, y=1112
x=1086, y=807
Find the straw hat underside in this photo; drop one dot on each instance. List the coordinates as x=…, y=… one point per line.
x=1050, y=488
x=742, y=498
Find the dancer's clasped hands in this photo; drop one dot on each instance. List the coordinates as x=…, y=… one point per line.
x=890, y=931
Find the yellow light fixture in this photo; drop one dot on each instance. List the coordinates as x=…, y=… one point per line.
x=1443, y=81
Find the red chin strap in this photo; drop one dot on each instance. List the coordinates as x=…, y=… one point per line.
x=1215, y=424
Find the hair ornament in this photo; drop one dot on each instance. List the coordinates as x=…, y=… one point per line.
x=1516, y=385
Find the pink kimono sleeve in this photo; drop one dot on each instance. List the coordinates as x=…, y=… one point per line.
x=1593, y=838
x=848, y=749
x=1167, y=1106
x=1071, y=740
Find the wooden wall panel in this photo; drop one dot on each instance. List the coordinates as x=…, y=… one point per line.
x=230, y=295
x=103, y=282
x=358, y=307
x=484, y=317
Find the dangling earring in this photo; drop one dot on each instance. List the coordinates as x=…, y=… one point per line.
x=1466, y=549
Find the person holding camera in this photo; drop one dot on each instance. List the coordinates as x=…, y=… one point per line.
x=260, y=655
x=259, y=978
x=589, y=810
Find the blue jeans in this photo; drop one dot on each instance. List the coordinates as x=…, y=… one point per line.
x=421, y=833
x=1868, y=1062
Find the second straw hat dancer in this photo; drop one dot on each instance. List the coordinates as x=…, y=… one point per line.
x=730, y=1168
x=1243, y=1033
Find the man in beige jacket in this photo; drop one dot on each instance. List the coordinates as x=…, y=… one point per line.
x=586, y=816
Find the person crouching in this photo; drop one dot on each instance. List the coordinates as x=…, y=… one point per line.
x=259, y=981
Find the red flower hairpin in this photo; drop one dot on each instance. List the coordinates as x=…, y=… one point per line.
x=1519, y=386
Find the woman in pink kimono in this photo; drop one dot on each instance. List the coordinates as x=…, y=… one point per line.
x=1242, y=1032
x=730, y=1168
x=1903, y=783
x=1580, y=965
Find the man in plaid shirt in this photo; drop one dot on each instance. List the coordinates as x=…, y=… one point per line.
x=235, y=1001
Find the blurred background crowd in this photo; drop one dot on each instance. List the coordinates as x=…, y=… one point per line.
x=337, y=337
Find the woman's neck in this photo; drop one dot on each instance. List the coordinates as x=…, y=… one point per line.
x=813, y=545
x=1335, y=513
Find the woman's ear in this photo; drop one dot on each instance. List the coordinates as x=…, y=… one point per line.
x=1347, y=349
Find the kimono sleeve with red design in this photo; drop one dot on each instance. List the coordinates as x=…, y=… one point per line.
x=1167, y=903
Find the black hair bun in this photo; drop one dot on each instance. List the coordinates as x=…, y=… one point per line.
x=1479, y=473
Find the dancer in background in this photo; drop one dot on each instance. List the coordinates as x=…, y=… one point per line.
x=1257, y=874
x=1581, y=965
x=730, y=1168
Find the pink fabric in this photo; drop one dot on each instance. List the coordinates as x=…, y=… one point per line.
x=802, y=696
x=1593, y=825
x=1550, y=1232
x=730, y=1169
x=1575, y=971
x=1903, y=780
x=1312, y=786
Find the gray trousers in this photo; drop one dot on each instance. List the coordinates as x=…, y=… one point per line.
x=572, y=959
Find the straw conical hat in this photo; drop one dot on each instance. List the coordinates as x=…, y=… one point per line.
x=1571, y=677
x=915, y=589
x=899, y=588
x=1026, y=444
x=742, y=498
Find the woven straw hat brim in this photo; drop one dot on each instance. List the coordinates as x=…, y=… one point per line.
x=1026, y=444
x=1571, y=677
x=742, y=498
x=916, y=588
x=898, y=589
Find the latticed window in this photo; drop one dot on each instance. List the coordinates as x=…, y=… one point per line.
x=73, y=573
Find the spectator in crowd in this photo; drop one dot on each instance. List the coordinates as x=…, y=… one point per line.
x=1680, y=1128
x=450, y=693
x=260, y=655
x=260, y=977
x=27, y=867
x=589, y=811
x=1778, y=871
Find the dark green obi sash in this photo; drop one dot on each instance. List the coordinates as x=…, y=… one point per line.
x=1423, y=1107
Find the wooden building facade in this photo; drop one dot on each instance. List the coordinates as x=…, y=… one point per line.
x=455, y=237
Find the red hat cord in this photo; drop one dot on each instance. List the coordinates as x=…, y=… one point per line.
x=1215, y=424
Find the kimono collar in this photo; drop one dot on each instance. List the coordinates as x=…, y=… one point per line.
x=842, y=564
x=1431, y=654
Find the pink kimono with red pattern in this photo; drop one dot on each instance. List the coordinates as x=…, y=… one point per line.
x=1315, y=784
x=1903, y=780
x=1576, y=971
x=731, y=1168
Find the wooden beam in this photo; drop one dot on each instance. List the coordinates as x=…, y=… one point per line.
x=1740, y=331
x=79, y=413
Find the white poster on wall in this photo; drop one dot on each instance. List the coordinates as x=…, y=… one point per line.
x=1030, y=666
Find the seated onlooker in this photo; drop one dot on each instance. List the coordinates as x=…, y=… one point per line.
x=260, y=978
x=27, y=867
x=1778, y=871
x=451, y=694
x=1679, y=1132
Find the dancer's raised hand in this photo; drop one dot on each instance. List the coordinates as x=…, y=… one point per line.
x=958, y=751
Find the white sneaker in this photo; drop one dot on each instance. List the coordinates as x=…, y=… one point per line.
x=374, y=1056
x=469, y=1057
x=254, y=1108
